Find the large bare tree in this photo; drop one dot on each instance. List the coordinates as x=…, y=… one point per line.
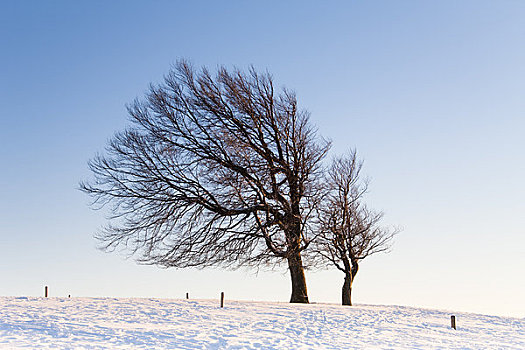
x=349, y=230
x=215, y=169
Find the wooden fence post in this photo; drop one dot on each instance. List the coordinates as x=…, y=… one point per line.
x=453, y=321
x=222, y=299
x=45, y=292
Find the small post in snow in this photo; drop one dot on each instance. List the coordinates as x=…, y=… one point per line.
x=187, y=295
x=45, y=292
x=69, y=296
x=453, y=321
x=222, y=299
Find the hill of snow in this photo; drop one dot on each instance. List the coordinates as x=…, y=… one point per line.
x=62, y=323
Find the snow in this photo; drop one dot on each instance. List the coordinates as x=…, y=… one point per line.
x=110, y=323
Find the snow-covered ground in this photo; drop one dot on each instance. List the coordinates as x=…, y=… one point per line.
x=109, y=323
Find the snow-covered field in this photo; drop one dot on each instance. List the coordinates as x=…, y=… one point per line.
x=109, y=323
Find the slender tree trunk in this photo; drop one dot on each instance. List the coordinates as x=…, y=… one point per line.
x=299, y=293
x=347, y=289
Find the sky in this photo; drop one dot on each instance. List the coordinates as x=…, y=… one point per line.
x=429, y=92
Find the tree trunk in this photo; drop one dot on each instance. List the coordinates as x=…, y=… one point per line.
x=349, y=279
x=299, y=293
x=347, y=289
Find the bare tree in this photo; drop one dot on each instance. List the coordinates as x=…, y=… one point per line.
x=215, y=169
x=349, y=230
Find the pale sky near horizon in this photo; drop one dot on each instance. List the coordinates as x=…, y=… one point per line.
x=430, y=92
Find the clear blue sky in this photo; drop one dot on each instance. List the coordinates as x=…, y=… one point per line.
x=430, y=92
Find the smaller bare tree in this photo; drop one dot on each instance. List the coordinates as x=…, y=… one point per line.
x=349, y=230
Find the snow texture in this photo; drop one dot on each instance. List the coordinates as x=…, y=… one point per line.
x=109, y=323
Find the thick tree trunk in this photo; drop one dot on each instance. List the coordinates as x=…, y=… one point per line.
x=299, y=293
x=349, y=279
x=347, y=289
